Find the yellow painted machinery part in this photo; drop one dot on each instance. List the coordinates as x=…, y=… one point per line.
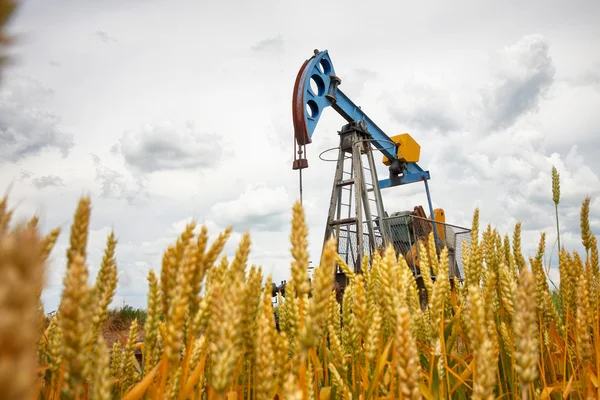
x=408, y=150
x=440, y=216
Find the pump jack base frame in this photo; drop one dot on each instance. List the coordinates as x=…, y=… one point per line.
x=354, y=145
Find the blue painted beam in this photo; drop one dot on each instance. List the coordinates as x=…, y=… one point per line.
x=351, y=112
x=403, y=180
x=412, y=174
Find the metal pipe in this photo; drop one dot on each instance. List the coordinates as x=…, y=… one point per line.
x=431, y=211
x=300, y=186
x=414, y=261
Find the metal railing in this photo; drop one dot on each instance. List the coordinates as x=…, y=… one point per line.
x=405, y=231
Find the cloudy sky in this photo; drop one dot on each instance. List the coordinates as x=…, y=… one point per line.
x=169, y=110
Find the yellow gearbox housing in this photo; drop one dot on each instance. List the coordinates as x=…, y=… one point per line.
x=408, y=149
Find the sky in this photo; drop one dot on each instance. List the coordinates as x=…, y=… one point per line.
x=168, y=111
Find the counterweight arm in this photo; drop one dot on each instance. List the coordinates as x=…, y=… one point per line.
x=315, y=89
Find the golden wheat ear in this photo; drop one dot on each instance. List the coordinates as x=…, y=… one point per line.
x=79, y=231
x=586, y=232
x=5, y=214
x=7, y=11
x=22, y=280
x=526, y=331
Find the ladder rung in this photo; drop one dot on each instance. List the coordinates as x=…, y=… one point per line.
x=346, y=182
x=370, y=189
x=343, y=221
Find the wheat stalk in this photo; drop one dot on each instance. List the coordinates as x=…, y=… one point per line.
x=210, y=331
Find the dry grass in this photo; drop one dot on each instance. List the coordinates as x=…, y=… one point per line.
x=503, y=334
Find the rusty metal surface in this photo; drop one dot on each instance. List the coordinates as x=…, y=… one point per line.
x=298, y=104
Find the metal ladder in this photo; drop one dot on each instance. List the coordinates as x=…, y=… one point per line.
x=356, y=210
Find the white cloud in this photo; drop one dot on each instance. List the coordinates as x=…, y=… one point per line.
x=48, y=180
x=589, y=77
x=523, y=74
x=26, y=127
x=164, y=147
x=271, y=45
x=119, y=185
x=425, y=102
x=257, y=208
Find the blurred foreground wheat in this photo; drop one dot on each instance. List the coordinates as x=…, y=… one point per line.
x=7, y=10
x=210, y=332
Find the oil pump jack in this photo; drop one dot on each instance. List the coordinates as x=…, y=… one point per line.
x=364, y=226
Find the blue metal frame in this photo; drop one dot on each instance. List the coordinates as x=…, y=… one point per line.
x=320, y=71
x=412, y=174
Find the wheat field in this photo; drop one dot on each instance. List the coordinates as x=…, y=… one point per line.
x=210, y=331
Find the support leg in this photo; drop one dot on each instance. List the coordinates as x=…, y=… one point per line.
x=368, y=215
x=335, y=195
x=383, y=226
x=358, y=181
x=435, y=234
